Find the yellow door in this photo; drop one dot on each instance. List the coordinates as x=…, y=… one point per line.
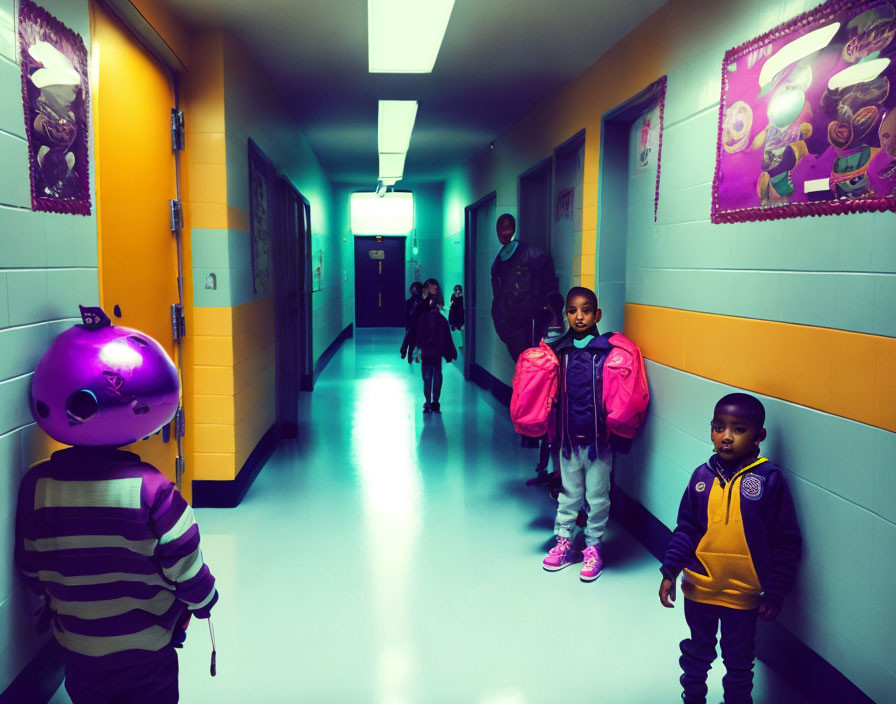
x=136, y=176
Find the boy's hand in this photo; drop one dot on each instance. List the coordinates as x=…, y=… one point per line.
x=767, y=610
x=667, y=593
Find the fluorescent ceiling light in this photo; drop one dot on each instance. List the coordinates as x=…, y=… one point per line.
x=387, y=181
x=404, y=36
x=796, y=50
x=859, y=73
x=392, y=165
x=393, y=214
x=395, y=123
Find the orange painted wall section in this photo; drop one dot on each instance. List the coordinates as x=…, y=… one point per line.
x=169, y=28
x=844, y=373
x=233, y=385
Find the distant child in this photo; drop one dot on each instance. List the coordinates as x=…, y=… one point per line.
x=415, y=290
x=738, y=543
x=433, y=338
x=105, y=539
x=456, y=309
x=585, y=453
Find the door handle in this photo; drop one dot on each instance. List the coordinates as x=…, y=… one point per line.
x=380, y=299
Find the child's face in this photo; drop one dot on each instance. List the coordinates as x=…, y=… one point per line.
x=505, y=230
x=582, y=315
x=734, y=437
x=432, y=289
x=457, y=290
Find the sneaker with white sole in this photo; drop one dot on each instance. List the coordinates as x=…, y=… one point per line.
x=592, y=564
x=558, y=556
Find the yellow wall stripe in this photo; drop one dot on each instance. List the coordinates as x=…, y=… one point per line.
x=844, y=373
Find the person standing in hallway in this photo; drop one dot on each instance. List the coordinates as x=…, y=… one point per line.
x=585, y=454
x=525, y=299
x=525, y=303
x=738, y=543
x=106, y=540
x=433, y=337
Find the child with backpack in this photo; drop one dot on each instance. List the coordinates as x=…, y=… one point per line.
x=431, y=335
x=602, y=395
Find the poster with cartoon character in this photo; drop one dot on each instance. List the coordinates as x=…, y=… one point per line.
x=807, y=117
x=261, y=218
x=55, y=97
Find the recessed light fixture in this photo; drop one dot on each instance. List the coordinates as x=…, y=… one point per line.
x=392, y=166
x=395, y=122
x=404, y=36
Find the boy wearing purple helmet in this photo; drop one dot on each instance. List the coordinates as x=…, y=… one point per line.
x=105, y=539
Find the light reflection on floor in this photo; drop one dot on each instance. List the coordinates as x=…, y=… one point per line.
x=392, y=558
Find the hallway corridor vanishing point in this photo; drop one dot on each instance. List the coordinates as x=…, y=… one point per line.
x=387, y=557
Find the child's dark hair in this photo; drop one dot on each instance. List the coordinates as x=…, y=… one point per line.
x=584, y=293
x=748, y=407
x=508, y=218
x=439, y=299
x=416, y=288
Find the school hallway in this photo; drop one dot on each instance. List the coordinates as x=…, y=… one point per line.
x=387, y=557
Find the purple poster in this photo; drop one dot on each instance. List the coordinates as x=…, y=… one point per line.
x=55, y=96
x=807, y=118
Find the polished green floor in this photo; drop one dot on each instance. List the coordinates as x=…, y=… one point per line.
x=387, y=557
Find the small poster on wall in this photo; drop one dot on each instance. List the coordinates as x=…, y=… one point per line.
x=648, y=142
x=807, y=117
x=565, y=203
x=261, y=218
x=317, y=272
x=55, y=96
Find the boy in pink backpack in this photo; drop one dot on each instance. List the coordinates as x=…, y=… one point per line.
x=601, y=399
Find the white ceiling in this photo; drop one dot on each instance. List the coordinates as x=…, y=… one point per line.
x=498, y=60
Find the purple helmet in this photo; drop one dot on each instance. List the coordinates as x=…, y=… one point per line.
x=102, y=385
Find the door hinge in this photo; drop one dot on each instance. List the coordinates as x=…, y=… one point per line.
x=178, y=324
x=176, y=212
x=180, y=423
x=179, y=467
x=177, y=130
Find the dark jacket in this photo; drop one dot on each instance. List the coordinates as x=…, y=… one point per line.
x=433, y=336
x=581, y=415
x=522, y=288
x=756, y=495
x=456, y=312
x=410, y=305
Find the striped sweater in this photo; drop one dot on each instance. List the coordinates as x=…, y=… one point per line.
x=114, y=548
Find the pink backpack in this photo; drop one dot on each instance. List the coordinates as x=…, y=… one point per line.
x=625, y=393
x=534, y=391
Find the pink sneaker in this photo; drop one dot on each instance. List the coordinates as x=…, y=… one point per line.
x=592, y=564
x=558, y=556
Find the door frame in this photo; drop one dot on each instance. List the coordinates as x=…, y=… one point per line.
x=471, y=295
x=545, y=166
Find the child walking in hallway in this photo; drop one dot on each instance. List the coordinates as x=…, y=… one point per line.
x=431, y=335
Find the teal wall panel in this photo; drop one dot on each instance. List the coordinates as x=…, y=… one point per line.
x=12, y=115
x=24, y=240
x=8, y=30
x=233, y=287
x=48, y=265
x=15, y=188
x=225, y=249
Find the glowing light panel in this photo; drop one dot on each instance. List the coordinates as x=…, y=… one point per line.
x=404, y=36
x=392, y=165
x=393, y=214
x=395, y=123
x=861, y=72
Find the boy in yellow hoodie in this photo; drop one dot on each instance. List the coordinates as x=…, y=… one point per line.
x=738, y=543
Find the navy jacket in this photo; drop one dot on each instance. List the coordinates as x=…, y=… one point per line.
x=581, y=416
x=433, y=336
x=773, y=540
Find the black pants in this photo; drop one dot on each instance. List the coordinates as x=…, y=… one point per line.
x=432, y=379
x=738, y=643
x=154, y=682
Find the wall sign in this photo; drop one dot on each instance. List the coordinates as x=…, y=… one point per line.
x=807, y=117
x=55, y=96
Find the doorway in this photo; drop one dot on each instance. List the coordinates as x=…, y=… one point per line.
x=379, y=282
x=535, y=206
x=136, y=177
x=290, y=245
x=479, y=229
x=566, y=221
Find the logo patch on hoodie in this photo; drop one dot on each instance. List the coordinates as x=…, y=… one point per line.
x=751, y=486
